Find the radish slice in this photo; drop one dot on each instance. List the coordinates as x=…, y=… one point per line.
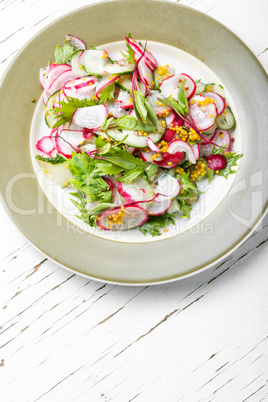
x=125, y=218
x=216, y=162
x=81, y=88
x=104, y=82
x=68, y=141
x=170, y=118
x=169, y=134
x=169, y=87
x=94, y=61
x=145, y=74
x=182, y=146
x=54, y=71
x=115, y=109
x=59, y=82
x=46, y=145
x=196, y=150
x=219, y=101
x=148, y=156
x=76, y=64
x=139, y=50
x=152, y=146
x=131, y=150
x=169, y=186
x=91, y=117
x=138, y=190
x=221, y=138
x=203, y=116
x=75, y=42
x=125, y=99
x=158, y=107
x=170, y=160
x=160, y=205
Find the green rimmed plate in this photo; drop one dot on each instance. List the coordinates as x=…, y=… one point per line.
x=155, y=261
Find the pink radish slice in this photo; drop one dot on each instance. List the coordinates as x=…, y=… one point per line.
x=43, y=77
x=147, y=156
x=137, y=191
x=131, y=150
x=216, y=162
x=219, y=101
x=75, y=42
x=182, y=146
x=125, y=99
x=203, y=116
x=68, y=141
x=196, y=150
x=154, y=102
x=170, y=160
x=94, y=61
x=170, y=118
x=80, y=89
x=91, y=117
x=53, y=72
x=160, y=205
x=151, y=145
x=221, y=138
x=87, y=134
x=145, y=74
x=110, y=182
x=209, y=134
x=46, y=145
x=134, y=217
x=169, y=87
x=115, y=109
x=105, y=81
x=61, y=80
x=169, y=134
x=151, y=61
x=45, y=97
x=168, y=186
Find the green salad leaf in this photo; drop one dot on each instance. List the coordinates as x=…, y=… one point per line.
x=64, y=112
x=55, y=160
x=156, y=223
x=63, y=54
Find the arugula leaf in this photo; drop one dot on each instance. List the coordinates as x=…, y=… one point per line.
x=129, y=55
x=64, y=112
x=63, y=54
x=182, y=98
x=155, y=223
x=188, y=194
x=54, y=160
x=172, y=103
x=107, y=93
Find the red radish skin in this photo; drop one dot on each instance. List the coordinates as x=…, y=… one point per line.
x=169, y=87
x=216, y=162
x=202, y=116
x=132, y=216
x=219, y=101
x=182, y=146
x=221, y=138
x=75, y=42
x=170, y=160
x=160, y=205
x=61, y=80
x=46, y=145
x=151, y=145
x=104, y=82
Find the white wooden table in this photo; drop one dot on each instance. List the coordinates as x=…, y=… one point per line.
x=66, y=338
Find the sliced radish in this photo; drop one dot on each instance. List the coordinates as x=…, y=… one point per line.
x=125, y=99
x=219, y=101
x=59, y=82
x=145, y=74
x=46, y=145
x=104, y=82
x=149, y=156
x=221, y=138
x=160, y=205
x=139, y=50
x=170, y=133
x=54, y=71
x=75, y=42
x=94, y=61
x=182, y=146
x=203, y=116
x=115, y=109
x=158, y=107
x=91, y=117
x=169, y=186
x=169, y=87
x=171, y=117
x=81, y=87
x=152, y=146
x=129, y=217
x=68, y=141
x=196, y=150
x=131, y=150
x=87, y=134
x=133, y=139
x=216, y=162
x=138, y=190
x=170, y=160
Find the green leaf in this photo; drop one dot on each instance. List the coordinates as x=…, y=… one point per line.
x=129, y=55
x=55, y=160
x=182, y=98
x=100, y=208
x=153, y=116
x=130, y=175
x=232, y=159
x=155, y=223
x=104, y=168
x=130, y=123
x=139, y=101
x=107, y=94
x=64, y=112
x=151, y=170
x=173, y=104
x=63, y=54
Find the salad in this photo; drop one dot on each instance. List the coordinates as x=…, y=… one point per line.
x=133, y=137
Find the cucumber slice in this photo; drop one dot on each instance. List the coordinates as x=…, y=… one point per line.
x=226, y=121
x=125, y=83
x=133, y=138
x=76, y=65
x=217, y=88
x=94, y=61
x=119, y=68
x=50, y=116
x=200, y=87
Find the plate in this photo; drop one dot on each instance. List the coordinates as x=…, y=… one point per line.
x=136, y=262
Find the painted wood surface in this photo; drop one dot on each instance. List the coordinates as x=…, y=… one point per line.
x=66, y=338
